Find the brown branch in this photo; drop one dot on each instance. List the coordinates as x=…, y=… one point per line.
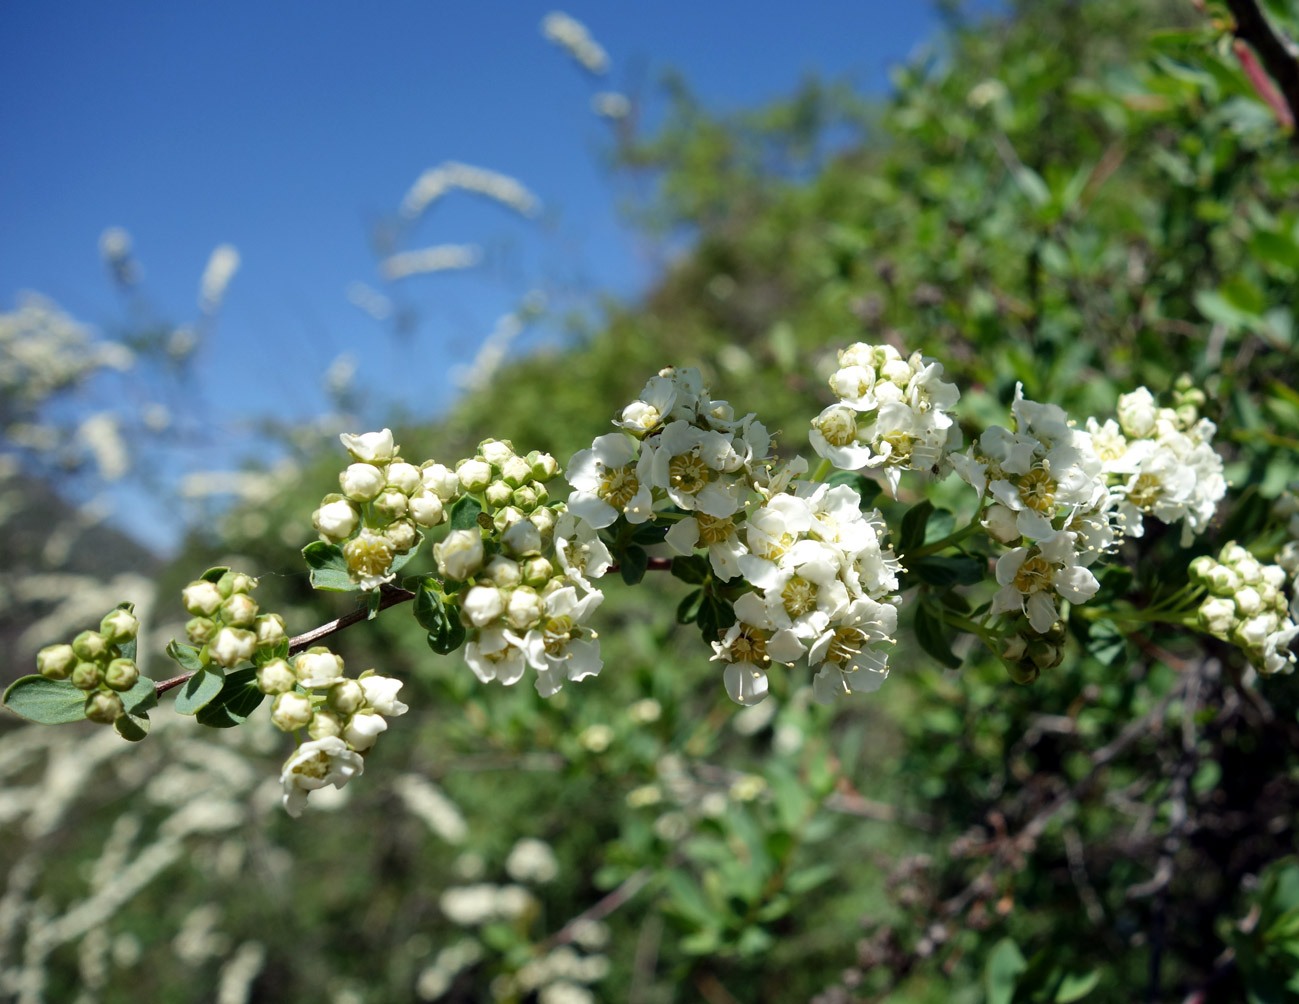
x=633, y=884
x=1281, y=62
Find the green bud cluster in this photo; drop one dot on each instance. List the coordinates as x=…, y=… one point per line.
x=94, y=662
x=383, y=505
x=1247, y=606
x=1028, y=654
x=312, y=693
x=226, y=623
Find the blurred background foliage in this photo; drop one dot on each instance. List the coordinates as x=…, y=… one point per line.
x=1081, y=197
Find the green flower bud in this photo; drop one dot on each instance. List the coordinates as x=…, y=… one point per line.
x=502, y=572
x=345, y=697
x=537, y=572
x=324, y=724
x=119, y=626
x=498, y=494
x=496, y=451
x=1045, y=655
x=275, y=677
x=235, y=582
x=270, y=630
x=90, y=645
x=525, y=498
x=475, y=474
x=240, y=610
x=516, y=472
x=506, y=518
x=336, y=519
x=56, y=661
x=544, y=466
x=104, y=708
x=521, y=538
x=122, y=674
x=87, y=675
x=402, y=535
x=201, y=630
x=1023, y=672
x=1200, y=568
x=390, y=505
x=231, y=646
x=544, y=520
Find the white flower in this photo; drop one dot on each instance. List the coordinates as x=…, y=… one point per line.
x=370, y=447
x=369, y=558
x=335, y=521
x=560, y=648
x=719, y=534
x=492, y=656
x=521, y=538
x=688, y=463
x=531, y=860
x=610, y=480
x=1031, y=578
x=582, y=554
x=363, y=729
x=849, y=663
x=232, y=646
x=381, y=694
x=460, y=555
x=314, y=765
x=362, y=482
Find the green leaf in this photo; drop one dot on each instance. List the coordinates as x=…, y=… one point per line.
x=912, y=534
x=238, y=698
x=280, y=650
x=464, y=514
x=809, y=878
x=132, y=728
x=688, y=608
x=373, y=598
x=440, y=619
x=1074, y=987
x=692, y=568
x=127, y=648
x=141, y=697
x=198, y=690
x=45, y=701
x=328, y=567
x=931, y=632
x=714, y=617
x=947, y=572
x=214, y=574
x=186, y=655
x=1005, y=963
x=649, y=533
x=632, y=564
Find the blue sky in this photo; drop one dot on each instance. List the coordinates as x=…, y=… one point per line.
x=287, y=128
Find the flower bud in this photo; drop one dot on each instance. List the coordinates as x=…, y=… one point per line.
x=506, y=518
x=404, y=477
x=1044, y=655
x=1016, y=646
x=482, y=605
x=1248, y=602
x=370, y=447
x=1250, y=571
x=363, y=729
x=524, y=609
x=537, y=571
x=503, y=572
x=496, y=451
x=1222, y=580
x=56, y=661
x=318, y=667
x=87, y=675
x=235, y=582
x=336, y=521
x=239, y=611
x=440, y=480
x=390, y=504
x=521, y=539
x=426, y=508
x=526, y=498
x=1187, y=415
x=516, y=472
x=474, y=475
x=325, y=723
x=544, y=466
x=1024, y=671
x=104, y=708
x=231, y=646
x=201, y=598
x=1201, y=568
x=1137, y=413
x=346, y=697
x=119, y=626
x=381, y=694
x=460, y=555
x=362, y=482
x=291, y=711
x=1000, y=522
x=275, y=677
x=402, y=535
x=544, y=520
x=122, y=674
x=269, y=629
x=90, y=645
x=200, y=630
x=1233, y=553
x=1217, y=615
x=498, y=494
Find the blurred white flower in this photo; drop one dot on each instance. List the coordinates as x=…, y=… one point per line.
x=572, y=36
x=439, y=258
x=221, y=268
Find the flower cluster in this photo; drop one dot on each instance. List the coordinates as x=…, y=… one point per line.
x=226, y=623
x=384, y=504
x=95, y=663
x=892, y=414
x=342, y=716
x=1246, y=606
x=525, y=593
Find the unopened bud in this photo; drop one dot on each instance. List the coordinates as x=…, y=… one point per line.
x=506, y=518
x=56, y=661
x=291, y=711
x=1217, y=615
x=426, y=508
x=270, y=630
x=544, y=466
x=363, y=729
x=200, y=630
x=524, y=609
x=201, y=598
x=525, y=498
x=122, y=674
x=318, y=667
x=441, y=481
x=537, y=571
x=346, y=696
x=87, y=675
x=239, y=611
x=460, y=555
x=275, y=677
x=390, y=504
x=521, y=539
x=119, y=626
x=231, y=646
x=90, y=645
x=482, y=605
x=336, y=520
x=104, y=708
x=498, y=494
x=232, y=583
x=474, y=475
x=370, y=447
x=496, y=451
x=516, y=472
x=1023, y=672
x=362, y=482
x=404, y=477
x=503, y=572
x=324, y=724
